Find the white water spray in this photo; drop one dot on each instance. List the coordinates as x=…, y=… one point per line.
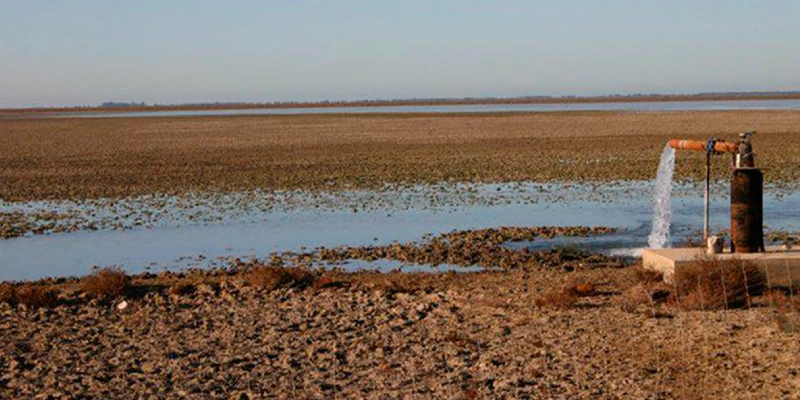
x=662, y=198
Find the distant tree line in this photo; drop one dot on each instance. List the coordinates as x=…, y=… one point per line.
x=462, y=100
x=122, y=104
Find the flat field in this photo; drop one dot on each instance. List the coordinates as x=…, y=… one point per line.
x=555, y=323
x=79, y=158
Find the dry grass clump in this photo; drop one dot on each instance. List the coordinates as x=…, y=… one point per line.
x=782, y=300
x=652, y=297
x=271, y=277
x=568, y=295
x=106, y=282
x=182, y=289
x=7, y=292
x=29, y=295
x=331, y=280
x=636, y=296
x=558, y=299
x=394, y=286
x=35, y=296
x=712, y=284
x=706, y=284
x=649, y=292
x=645, y=275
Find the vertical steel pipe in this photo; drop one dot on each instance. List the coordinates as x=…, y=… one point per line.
x=707, y=199
x=747, y=210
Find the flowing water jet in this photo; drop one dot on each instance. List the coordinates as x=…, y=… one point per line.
x=662, y=199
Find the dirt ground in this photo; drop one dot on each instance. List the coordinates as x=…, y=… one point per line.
x=77, y=158
x=448, y=335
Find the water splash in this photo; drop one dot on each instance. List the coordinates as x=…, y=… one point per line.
x=662, y=199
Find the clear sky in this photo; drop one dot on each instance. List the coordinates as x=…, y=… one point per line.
x=86, y=52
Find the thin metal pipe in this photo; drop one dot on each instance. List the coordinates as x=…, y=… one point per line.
x=706, y=206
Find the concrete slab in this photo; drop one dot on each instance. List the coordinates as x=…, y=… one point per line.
x=782, y=267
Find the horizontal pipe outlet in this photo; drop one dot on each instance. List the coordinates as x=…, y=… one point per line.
x=699, y=145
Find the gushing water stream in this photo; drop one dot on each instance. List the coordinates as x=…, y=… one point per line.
x=662, y=199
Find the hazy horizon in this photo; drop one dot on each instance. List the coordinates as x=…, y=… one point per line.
x=90, y=52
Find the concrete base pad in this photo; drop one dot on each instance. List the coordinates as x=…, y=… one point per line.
x=782, y=267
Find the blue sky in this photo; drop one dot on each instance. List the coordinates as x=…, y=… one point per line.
x=87, y=52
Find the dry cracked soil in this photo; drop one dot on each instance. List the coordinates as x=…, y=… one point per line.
x=443, y=335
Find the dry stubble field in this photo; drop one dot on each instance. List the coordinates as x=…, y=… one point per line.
x=61, y=158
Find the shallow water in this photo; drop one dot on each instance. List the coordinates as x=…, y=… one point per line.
x=177, y=246
x=474, y=108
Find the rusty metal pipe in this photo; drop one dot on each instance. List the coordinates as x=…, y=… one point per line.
x=747, y=210
x=699, y=145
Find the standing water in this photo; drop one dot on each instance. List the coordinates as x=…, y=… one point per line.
x=662, y=210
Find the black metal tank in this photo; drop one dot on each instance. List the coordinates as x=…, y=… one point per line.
x=747, y=210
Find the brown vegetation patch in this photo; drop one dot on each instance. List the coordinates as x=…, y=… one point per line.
x=7, y=293
x=647, y=293
x=558, y=299
x=784, y=300
x=106, y=282
x=567, y=296
x=710, y=284
x=28, y=294
x=271, y=277
x=706, y=284
x=182, y=289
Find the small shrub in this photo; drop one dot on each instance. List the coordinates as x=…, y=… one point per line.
x=638, y=295
x=712, y=284
x=574, y=287
x=558, y=299
x=273, y=277
x=34, y=296
x=106, y=282
x=781, y=301
x=182, y=289
x=328, y=281
x=394, y=286
x=578, y=286
x=7, y=293
x=645, y=275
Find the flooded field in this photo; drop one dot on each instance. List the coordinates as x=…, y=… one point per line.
x=153, y=194
x=171, y=233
